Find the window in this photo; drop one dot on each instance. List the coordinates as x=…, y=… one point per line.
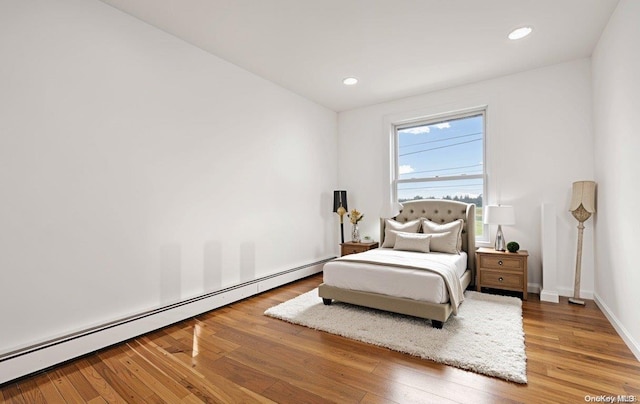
x=442, y=158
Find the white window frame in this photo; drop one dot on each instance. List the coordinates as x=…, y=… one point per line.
x=428, y=120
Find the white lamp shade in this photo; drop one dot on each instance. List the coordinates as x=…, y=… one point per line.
x=583, y=193
x=397, y=208
x=499, y=214
x=391, y=210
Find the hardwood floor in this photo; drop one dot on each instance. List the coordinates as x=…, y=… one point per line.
x=237, y=355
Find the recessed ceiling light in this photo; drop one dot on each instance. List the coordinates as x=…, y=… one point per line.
x=520, y=33
x=349, y=81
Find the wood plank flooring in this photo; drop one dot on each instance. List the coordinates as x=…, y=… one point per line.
x=237, y=355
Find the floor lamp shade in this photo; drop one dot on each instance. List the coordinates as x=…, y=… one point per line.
x=340, y=207
x=499, y=215
x=339, y=199
x=583, y=205
x=583, y=193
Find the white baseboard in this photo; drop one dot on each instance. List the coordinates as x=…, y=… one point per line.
x=549, y=296
x=16, y=364
x=533, y=288
x=633, y=345
x=584, y=294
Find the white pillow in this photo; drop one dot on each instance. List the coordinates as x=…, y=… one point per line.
x=447, y=237
x=392, y=227
x=412, y=242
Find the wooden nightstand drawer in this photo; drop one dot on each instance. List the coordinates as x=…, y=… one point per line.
x=355, y=248
x=502, y=270
x=511, y=263
x=501, y=280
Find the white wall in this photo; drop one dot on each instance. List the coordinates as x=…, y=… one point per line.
x=539, y=140
x=136, y=170
x=616, y=100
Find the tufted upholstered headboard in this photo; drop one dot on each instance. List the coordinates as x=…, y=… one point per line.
x=443, y=211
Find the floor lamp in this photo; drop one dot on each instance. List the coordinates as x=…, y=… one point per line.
x=583, y=204
x=340, y=207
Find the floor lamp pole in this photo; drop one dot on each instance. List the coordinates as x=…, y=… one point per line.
x=576, y=284
x=341, y=211
x=581, y=215
x=583, y=204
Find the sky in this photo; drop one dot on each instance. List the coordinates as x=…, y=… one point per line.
x=438, y=151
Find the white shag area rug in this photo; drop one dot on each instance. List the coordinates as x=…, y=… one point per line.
x=485, y=337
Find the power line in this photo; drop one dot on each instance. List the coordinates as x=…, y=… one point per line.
x=441, y=140
x=441, y=147
x=441, y=175
x=458, y=173
x=443, y=169
x=440, y=186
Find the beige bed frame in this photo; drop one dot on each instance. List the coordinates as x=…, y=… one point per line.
x=438, y=211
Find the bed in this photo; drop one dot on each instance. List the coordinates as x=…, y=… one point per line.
x=390, y=279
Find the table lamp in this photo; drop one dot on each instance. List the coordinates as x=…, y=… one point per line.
x=500, y=215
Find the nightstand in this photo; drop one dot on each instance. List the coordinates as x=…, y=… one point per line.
x=502, y=270
x=353, y=248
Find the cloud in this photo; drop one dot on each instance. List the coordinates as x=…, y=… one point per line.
x=417, y=130
x=406, y=169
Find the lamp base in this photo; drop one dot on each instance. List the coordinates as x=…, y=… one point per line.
x=574, y=300
x=500, y=244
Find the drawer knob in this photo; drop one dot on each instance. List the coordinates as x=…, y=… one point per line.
x=500, y=262
x=501, y=279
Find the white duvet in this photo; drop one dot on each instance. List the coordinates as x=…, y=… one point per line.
x=412, y=275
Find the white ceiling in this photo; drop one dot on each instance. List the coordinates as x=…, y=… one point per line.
x=397, y=48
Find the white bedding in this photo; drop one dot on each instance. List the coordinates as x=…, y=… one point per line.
x=408, y=283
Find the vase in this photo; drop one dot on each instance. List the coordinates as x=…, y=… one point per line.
x=355, y=233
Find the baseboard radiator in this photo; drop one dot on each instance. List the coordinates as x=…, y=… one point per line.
x=35, y=358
